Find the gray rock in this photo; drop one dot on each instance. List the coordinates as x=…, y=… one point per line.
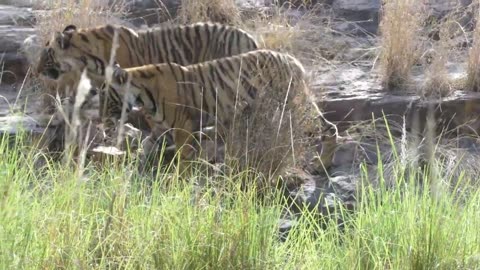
x=345, y=154
x=356, y=5
x=362, y=16
x=284, y=227
x=151, y=12
x=15, y=27
x=300, y=3
x=20, y=3
x=31, y=49
x=10, y=15
x=15, y=64
x=443, y=6
x=344, y=187
x=321, y=192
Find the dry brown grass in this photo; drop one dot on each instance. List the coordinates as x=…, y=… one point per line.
x=473, y=70
x=222, y=11
x=399, y=27
x=447, y=34
x=437, y=82
x=275, y=30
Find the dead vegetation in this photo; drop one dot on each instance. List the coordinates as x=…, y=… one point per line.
x=416, y=39
x=473, y=70
x=221, y=11
x=399, y=28
x=437, y=83
x=437, y=79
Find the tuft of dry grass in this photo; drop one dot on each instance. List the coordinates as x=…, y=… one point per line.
x=437, y=82
x=275, y=29
x=222, y=11
x=473, y=70
x=399, y=28
x=447, y=33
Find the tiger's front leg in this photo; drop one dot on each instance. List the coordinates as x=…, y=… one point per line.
x=183, y=138
x=153, y=142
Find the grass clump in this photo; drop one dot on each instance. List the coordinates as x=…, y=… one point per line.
x=221, y=11
x=399, y=30
x=112, y=217
x=473, y=70
x=447, y=35
x=437, y=81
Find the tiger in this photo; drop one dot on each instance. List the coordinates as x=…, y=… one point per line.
x=184, y=98
x=91, y=48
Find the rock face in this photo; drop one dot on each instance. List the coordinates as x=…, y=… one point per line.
x=10, y=15
x=150, y=12
x=15, y=27
x=365, y=13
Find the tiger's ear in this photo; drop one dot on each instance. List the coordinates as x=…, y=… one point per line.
x=70, y=28
x=62, y=40
x=120, y=75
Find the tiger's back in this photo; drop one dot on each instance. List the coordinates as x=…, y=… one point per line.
x=191, y=44
x=225, y=87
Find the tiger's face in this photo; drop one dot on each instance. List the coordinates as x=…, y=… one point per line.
x=68, y=51
x=47, y=66
x=120, y=88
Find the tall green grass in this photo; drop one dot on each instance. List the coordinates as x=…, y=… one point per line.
x=113, y=218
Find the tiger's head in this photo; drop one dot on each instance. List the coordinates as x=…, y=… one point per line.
x=117, y=85
x=70, y=50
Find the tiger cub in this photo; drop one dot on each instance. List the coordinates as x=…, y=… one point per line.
x=91, y=48
x=185, y=98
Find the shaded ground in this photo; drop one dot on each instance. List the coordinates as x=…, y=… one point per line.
x=18, y=111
